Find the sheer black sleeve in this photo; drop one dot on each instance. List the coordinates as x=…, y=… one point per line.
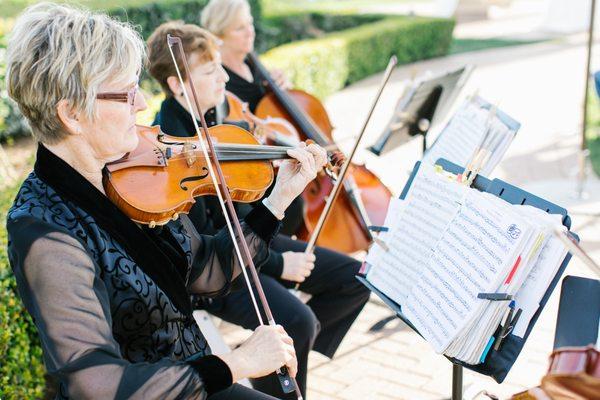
x=215, y=264
x=61, y=288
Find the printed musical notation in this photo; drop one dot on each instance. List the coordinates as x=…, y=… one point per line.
x=429, y=206
x=471, y=128
x=460, y=262
x=471, y=257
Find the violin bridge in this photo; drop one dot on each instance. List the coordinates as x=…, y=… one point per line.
x=188, y=152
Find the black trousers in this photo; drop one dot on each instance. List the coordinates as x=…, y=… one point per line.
x=321, y=324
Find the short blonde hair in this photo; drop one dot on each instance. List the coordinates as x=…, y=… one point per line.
x=59, y=52
x=218, y=15
x=194, y=40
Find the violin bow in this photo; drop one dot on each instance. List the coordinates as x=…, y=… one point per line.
x=340, y=178
x=575, y=248
x=288, y=384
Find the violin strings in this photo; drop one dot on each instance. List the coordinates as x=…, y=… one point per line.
x=239, y=154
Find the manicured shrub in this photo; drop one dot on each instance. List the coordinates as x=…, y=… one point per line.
x=327, y=64
x=21, y=365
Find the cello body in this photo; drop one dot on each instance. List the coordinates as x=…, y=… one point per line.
x=346, y=228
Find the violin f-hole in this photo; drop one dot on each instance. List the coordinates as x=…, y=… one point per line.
x=193, y=178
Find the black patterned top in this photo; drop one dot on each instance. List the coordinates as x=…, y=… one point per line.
x=110, y=299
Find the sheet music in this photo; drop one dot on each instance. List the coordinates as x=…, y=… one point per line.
x=395, y=208
x=472, y=257
x=430, y=204
x=470, y=128
x=446, y=244
x=533, y=289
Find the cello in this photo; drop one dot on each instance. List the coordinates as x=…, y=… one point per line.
x=363, y=200
x=273, y=131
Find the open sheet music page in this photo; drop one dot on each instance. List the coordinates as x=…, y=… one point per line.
x=466, y=132
x=544, y=270
x=395, y=209
x=430, y=204
x=473, y=256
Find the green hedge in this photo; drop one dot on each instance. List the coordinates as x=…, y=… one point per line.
x=21, y=367
x=278, y=30
x=11, y=122
x=324, y=65
x=151, y=15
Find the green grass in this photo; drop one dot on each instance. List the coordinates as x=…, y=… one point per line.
x=594, y=147
x=466, y=45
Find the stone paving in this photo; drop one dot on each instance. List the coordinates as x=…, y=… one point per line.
x=541, y=86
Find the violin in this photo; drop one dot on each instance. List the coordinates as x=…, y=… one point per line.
x=159, y=179
x=574, y=373
x=176, y=170
x=274, y=131
x=363, y=200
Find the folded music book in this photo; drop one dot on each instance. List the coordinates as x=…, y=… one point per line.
x=475, y=125
x=461, y=263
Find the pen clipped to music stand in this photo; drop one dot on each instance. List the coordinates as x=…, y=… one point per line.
x=423, y=102
x=497, y=363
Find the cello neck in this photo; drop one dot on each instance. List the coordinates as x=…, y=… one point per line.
x=300, y=118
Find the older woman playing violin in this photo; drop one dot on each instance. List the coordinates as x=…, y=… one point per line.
x=110, y=298
x=328, y=276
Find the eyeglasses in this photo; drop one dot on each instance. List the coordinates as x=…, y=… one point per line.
x=122, y=97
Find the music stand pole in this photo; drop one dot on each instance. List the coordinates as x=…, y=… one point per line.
x=457, y=382
x=583, y=144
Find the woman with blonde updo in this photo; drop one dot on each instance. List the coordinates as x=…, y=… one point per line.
x=111, y=299
x=232, y=22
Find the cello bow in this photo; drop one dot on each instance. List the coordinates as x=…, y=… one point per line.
x=344, y=170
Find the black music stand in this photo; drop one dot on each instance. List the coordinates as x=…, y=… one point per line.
x=426, y=100
x=497, y=363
